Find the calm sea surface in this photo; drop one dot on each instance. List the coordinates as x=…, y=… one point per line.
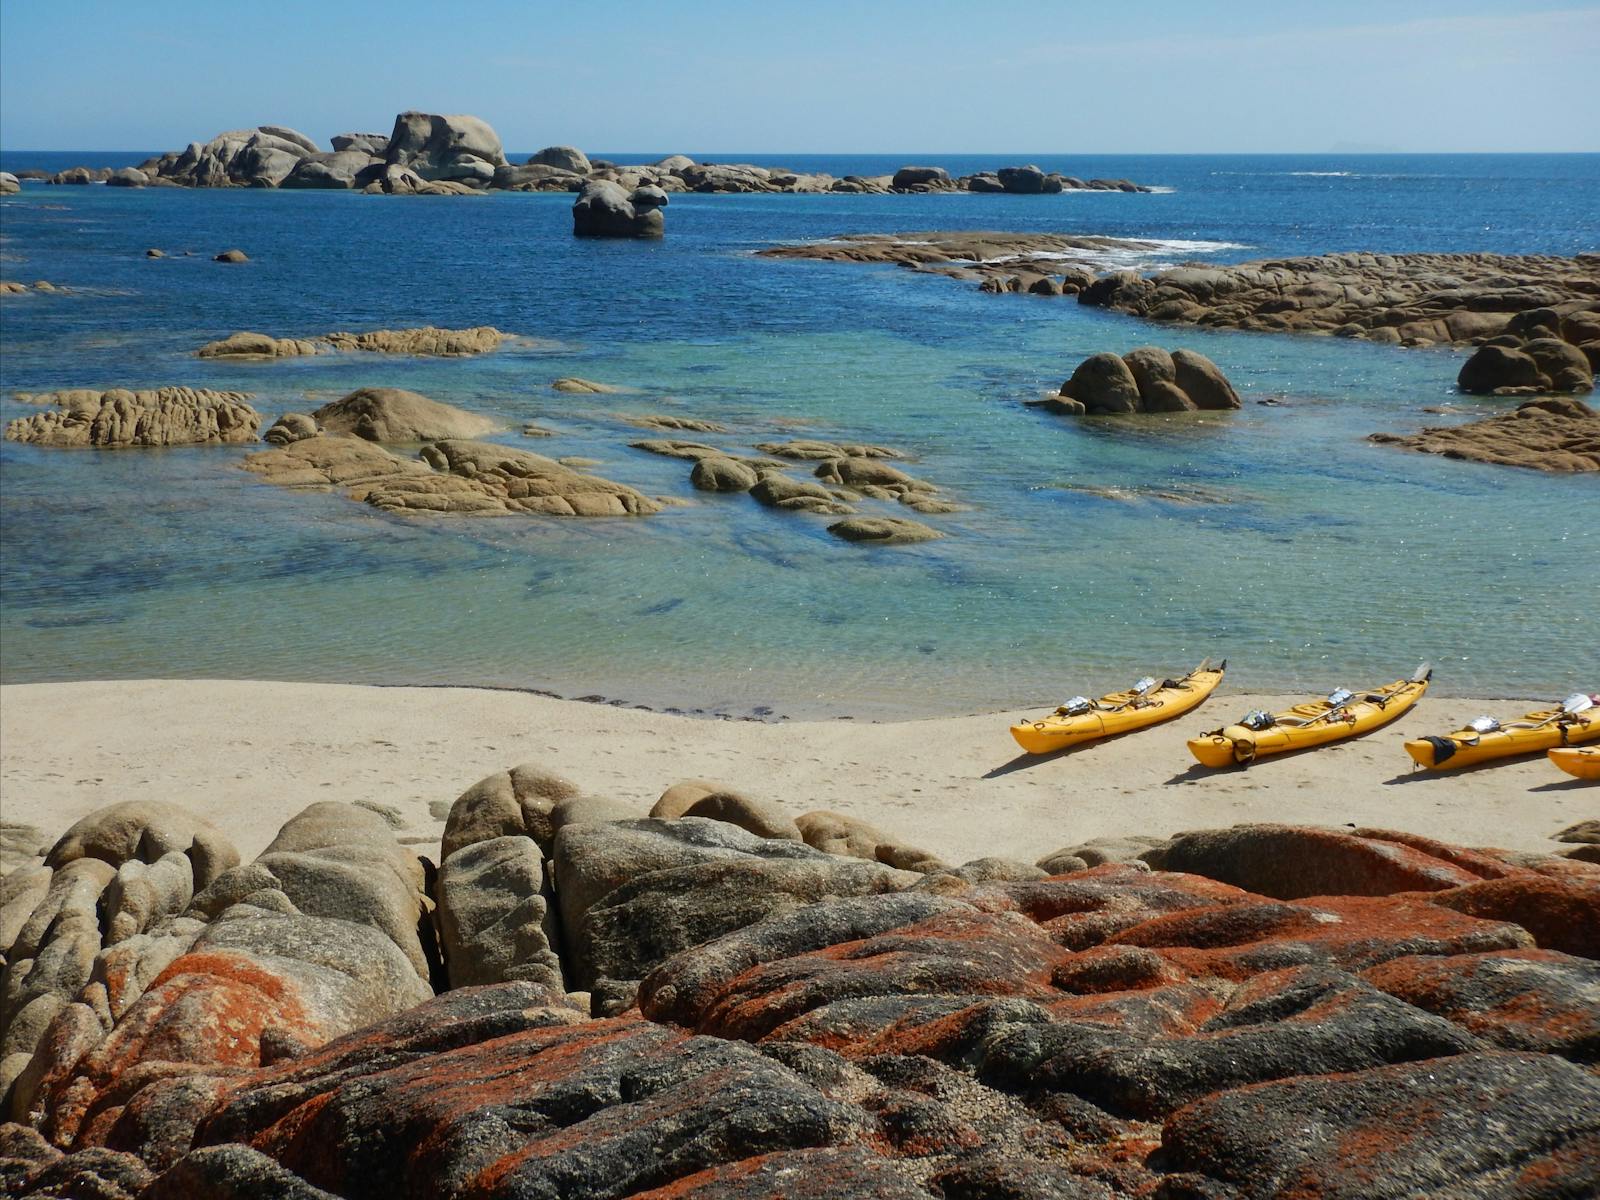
x=1307, y=556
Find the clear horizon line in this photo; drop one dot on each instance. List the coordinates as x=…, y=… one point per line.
x=971, y=153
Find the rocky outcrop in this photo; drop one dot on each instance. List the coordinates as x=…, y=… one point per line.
x=633, y=893
x=1040, y=264
x=10, y=185
x=779, y=491
x=375, y=144
x=172, y=416
x=396, y=415
x=605, y=209
x=460, y=149
x=231, y=256
x=1250, y=1012
x=341, y=170
x=427, y=341
x=127, y=177
x=459, y=478
x=1413, y=299
x=260, y=157
x=1507, y=367
x=1557, y=435
x=1146, y=380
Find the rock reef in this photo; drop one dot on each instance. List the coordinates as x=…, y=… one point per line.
x=426, y=341
x=720, y=1000
x=1557, y=435
x=120, y=418
x=1409, y=299
x=1038, y=263
x=451, y=477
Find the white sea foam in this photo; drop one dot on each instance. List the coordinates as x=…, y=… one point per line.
x=1153, y=252
x=1325, y=174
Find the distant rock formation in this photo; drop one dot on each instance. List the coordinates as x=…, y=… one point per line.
x=460, y=149
x=10, y=185
x=1146, y=380
x=1557, y=435
x=604, y=209
x=431, y=154
x=427, y=341
x=260, y=157
x=170, y=416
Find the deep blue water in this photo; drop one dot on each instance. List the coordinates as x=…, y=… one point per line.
x=1316, y=558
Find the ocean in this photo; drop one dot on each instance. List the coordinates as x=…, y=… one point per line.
x=1089, y=552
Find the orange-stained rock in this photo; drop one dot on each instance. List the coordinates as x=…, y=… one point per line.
x=1518, y=999
x=1561, y=913
x=1291, y=861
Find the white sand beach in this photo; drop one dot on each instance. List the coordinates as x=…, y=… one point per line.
x=248, y=755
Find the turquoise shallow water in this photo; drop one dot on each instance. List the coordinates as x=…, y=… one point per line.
x=1306, y=555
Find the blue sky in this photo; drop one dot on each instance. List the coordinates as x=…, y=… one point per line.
x=824, y=75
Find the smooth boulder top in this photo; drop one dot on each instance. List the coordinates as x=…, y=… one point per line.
x=383, y=414
x=567, y=158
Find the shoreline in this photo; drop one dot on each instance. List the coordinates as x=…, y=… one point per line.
x=767, y=711
x=248, y=755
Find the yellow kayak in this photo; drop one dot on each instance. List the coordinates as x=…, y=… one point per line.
x=1485, y=739
x=1146, y=703
x=1583, y=762
x=1341, y=715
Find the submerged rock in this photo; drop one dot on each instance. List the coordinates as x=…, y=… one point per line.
x=171, y=416
x=883, y=531
x=584, y=387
